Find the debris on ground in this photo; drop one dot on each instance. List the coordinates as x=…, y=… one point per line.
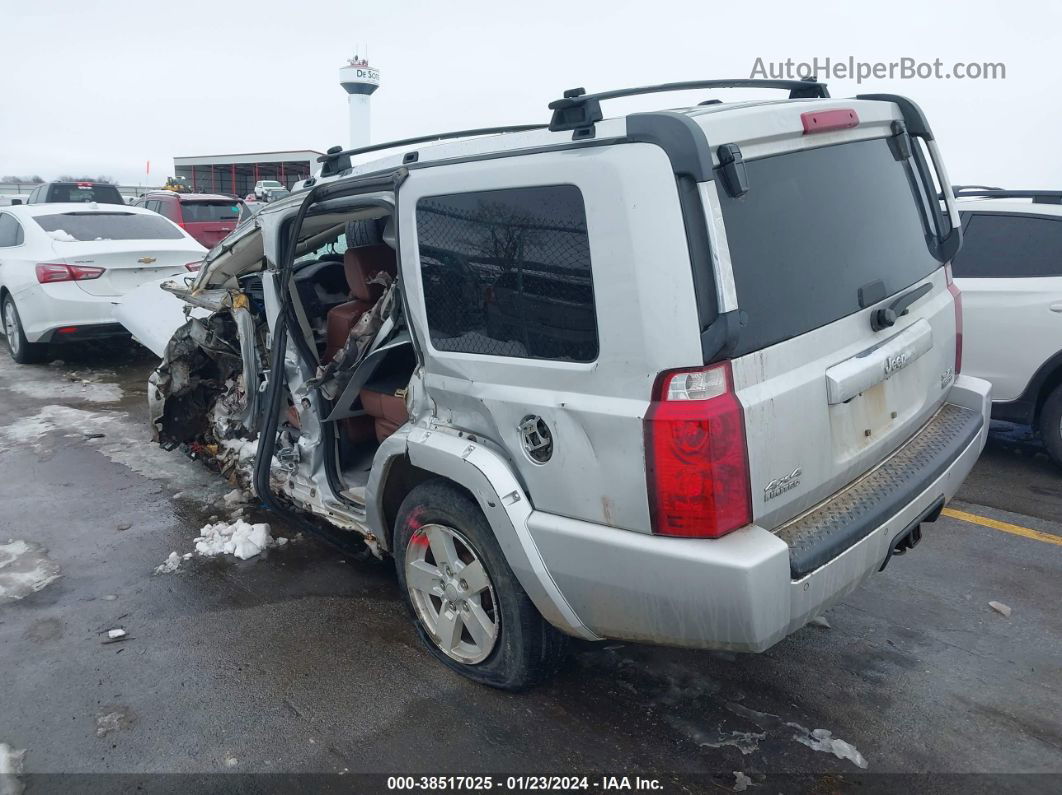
x=110, y=597
x=820, y=621
x=741, y=781
x=118, y=718
x=10, y=769
x=1002, y=609
x=24, y=569
x=123, y=527
x=236, y=497
x=116, y=633
x=231, y=761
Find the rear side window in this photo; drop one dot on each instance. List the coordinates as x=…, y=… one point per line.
x=71, y=227
x=1002, y=245
x=507, y=273
x=10, y=231
x=205, y=212
x=814, y=227
x=103, y=194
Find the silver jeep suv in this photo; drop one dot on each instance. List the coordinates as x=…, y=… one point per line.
x=682, y=377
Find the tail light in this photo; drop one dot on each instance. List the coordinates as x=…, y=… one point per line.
x=50, y=272
x=956, y=294
x=696, y=457
x=193, y=266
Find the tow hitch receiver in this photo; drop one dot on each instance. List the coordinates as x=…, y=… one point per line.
x=909, y=537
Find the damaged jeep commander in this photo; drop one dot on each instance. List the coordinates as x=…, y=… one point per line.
x=682, y=377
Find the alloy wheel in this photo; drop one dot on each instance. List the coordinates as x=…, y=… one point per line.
x=11, y=330
x=451, y=593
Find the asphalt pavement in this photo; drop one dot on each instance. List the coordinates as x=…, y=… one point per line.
x=302, y=660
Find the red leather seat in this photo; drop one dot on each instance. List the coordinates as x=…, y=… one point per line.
x=387, y=410
x=360, y=265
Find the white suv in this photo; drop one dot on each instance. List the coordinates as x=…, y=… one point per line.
x=264, y=187
x=1010, y=273
x=683, y=377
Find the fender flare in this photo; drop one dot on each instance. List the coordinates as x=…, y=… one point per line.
x=489, y=479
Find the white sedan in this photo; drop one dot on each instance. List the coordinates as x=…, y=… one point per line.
x=64, y=266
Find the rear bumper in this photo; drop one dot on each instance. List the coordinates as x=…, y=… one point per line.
x=737, y=592
x=45, y=308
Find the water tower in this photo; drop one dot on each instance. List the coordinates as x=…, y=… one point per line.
x=359, y=80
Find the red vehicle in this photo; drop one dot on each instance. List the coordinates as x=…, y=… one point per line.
x=208, y=217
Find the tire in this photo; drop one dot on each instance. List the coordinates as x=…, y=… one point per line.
x=22, y=350
x=525, y=649
x=1050, y=425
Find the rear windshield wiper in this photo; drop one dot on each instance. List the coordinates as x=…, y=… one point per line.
x=886, y=316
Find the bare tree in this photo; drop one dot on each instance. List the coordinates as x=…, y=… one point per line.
x=102, y=179
x=34, y=180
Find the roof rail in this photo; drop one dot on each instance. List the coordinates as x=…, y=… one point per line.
x=577, y=109
x=957, y=189
x=980, y=191
x=336, y=152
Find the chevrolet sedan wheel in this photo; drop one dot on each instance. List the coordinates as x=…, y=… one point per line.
x=22, y=350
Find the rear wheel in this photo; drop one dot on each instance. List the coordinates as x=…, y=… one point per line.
x=1051, y=424
x=22, y=350
x=469, y=609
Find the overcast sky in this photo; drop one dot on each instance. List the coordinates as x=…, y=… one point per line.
x=102, y=87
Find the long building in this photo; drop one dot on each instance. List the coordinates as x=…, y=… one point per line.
x=236, y=174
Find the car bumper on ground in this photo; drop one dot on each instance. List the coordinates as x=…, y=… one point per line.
x=743, y=592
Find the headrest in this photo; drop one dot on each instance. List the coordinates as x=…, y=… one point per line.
x=362, y=264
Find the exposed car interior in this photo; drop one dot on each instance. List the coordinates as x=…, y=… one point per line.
x=338, y=284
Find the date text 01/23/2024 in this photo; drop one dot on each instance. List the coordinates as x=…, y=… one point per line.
x=521, y=783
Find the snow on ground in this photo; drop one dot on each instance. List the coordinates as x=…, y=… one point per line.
x=24, y=569
x=120, y=439
x=10, y=769
x=85, y=390
x=238, y=538
x=823, y=740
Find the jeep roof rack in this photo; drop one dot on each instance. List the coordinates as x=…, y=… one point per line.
x=578, y=110
x=333, y=155
x=981, y=191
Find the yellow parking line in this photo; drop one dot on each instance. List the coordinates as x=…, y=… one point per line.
x=1006, y=527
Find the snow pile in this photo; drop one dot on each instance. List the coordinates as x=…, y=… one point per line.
x=237, y=538
x=10, y=769
x=62, y=236
x=823, y=740
x=24, y=569
x=235, y=497
x=233, y=538
x=172, y=563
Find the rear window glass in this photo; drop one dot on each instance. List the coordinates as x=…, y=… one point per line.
x=1003, y=245
x=105, y=194
x=814, y=227
x=507, y=273
x=70, y=227
x=199, y=212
